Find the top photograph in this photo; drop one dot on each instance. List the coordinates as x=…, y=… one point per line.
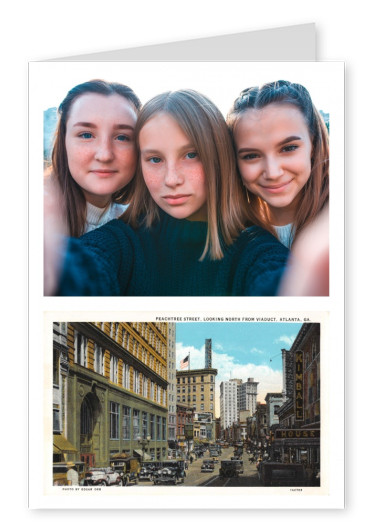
x=187, y=179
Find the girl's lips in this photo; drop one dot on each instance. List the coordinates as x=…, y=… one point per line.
x=176, y=199
x=104, y=173
x=276, y=189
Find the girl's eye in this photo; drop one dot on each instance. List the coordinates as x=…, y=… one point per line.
x=250, y=156
x=155, y=160
x=291, y=147
x=191, y=155
x=85, y=136
x=123, y=138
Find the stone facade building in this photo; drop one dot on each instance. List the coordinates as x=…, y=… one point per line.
x=196, y=388
x=110, y=389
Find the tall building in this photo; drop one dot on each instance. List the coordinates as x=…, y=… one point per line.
x=110, y=390
x=228, y=401
x=237, y=396
x=248, y=396
x=171, y=373
x=196, y=388
x=208, y=353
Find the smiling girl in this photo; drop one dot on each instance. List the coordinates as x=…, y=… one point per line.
x=282, y=151
x=183, y=232
x=94, y=156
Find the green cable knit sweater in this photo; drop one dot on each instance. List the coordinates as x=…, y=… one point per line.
x=164, y=261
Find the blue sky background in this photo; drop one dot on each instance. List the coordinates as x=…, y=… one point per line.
x=239, y=350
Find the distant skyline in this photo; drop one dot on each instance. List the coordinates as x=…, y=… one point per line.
x=239, y=350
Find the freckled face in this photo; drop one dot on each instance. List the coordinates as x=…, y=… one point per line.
x=172, y=169
x=273, y=148
x=100, y=145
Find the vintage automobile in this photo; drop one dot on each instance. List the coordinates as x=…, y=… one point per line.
x=128, y=468
x=147, y=471
x=60, y=472
x=275, y=474
x=207, y=465
x=169, y=472
x=228, y=469
x=103, y=476
x=166, y=475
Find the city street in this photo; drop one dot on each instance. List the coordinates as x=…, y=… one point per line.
x=196, y=478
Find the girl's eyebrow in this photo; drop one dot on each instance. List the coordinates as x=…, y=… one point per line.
x=289, y=139
x=285, y=141
x=93, y=126
x=156, y=150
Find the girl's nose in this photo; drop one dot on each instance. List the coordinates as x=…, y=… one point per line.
x=173, y=176
x=273, y=168
x=104, y=151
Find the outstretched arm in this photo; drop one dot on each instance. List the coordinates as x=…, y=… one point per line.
x=308, y=272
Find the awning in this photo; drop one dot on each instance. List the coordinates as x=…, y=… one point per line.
x=144, y=455
x=61, y=444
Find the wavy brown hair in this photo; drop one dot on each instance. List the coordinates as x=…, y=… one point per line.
x=315, y=193
x=74, y=202
x=204, y=125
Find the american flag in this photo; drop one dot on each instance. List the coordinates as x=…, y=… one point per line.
x=184, y=362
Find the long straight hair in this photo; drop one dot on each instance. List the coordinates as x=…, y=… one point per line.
x=315, y=193
x=202, y=122
x=74, y=202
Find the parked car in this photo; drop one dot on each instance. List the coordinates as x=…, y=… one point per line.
x=102, y=476
x=207, y=465
x=147, y=471
x=274, y=474
x=228, y=469
x=128, y=468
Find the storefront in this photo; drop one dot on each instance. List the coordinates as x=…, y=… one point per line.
x=297, y=446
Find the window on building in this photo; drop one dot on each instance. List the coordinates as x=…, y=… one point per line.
x=114, y=420
x=80, y=349
x=144, y=425
x=202, y=407
x=114, y=362
x=136, y=381
x=136, y=424
x=144, y=386
x=56, y=419
x=159, y=427
x=126, y=377
x=98, y=359
x=126, y=422
x=163, y=429
x=56, y=367
x=152, y=427
x=202, y=378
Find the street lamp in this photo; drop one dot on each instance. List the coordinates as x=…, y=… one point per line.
x=144, y=443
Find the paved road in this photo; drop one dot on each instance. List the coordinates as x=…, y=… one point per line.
x=196, y=478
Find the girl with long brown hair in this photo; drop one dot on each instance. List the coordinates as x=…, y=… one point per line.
x=282, y=149
x=94, y=156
